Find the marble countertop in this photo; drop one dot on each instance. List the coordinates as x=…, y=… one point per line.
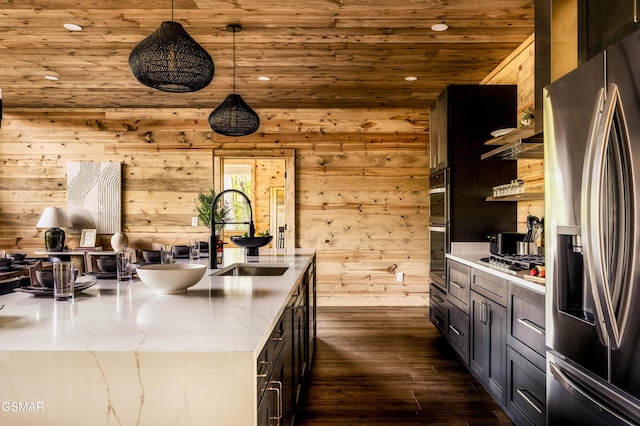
x=219, y=314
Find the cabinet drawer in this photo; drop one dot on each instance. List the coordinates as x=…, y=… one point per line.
x=438, y=308
x=490, y=286
x=459, y=284
x=269, y=355
x=526, y=390
x=458, y=332
x=526, y=326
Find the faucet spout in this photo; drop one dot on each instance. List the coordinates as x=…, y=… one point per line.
x=213, y=240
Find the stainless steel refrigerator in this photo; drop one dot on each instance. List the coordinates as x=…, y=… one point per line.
x=592, y=222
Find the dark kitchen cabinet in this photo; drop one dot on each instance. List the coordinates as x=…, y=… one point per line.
x=526, y=361
x=438, y=134
x=284, y=363
x=463, y=117
x=526, y=391
x=488, y=346
x=274, y=375
x=602, y=24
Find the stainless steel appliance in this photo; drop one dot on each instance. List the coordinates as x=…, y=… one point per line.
x=513, y=264
x=592, y=179
x=505, y=242
x=438, y=226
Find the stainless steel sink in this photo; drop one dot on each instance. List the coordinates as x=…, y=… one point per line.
x=252, y=270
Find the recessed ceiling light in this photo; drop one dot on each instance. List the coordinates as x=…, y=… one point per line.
x=51, y=77
x=439, y=27
x=264, y=78
x=73, y=27
x=411, y=78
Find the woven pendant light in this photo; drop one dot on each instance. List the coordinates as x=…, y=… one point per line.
x=171, y=61
x=233, y=117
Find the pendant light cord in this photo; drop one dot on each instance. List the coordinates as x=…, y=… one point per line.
x=171, y=10
x=234, y=59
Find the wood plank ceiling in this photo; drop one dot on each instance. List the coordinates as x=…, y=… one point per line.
x=317, y=53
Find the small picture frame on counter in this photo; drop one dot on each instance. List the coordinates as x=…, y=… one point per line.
x=88, y=238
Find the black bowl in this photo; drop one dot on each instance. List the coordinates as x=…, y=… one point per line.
x=180, y=252
x=45, y=278
x=106, y=263
x=17, y=257
x=254, y=242
x=152, y=256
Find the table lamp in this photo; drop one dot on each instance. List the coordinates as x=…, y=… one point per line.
x=53, y=218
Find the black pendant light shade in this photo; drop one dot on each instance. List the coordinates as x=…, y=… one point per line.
x=233, y=117
x=171, y=61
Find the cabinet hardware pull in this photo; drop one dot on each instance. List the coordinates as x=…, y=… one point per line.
x=459, y=333
x=461, y=287
x=438, y=320
x=487, y=314
x=280, y=336
x=522, y=391
x=438, y=299
x=531, y=326
x=265, y=367
x=278, y=391
x=482, y=312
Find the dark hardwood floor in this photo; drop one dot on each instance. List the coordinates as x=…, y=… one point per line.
x=389, y=366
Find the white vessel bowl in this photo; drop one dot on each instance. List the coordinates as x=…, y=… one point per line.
x=171, y=278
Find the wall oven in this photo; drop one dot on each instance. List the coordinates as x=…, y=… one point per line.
x=438, y=226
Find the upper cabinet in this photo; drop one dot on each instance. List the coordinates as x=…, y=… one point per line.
x=438, y=134
x=602, y=24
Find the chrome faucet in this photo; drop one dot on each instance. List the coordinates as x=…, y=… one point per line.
x=213, y=240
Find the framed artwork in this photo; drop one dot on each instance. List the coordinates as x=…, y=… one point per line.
x=94, y=196
x=88, y=238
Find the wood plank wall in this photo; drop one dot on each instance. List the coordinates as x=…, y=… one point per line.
x=362, y=178
x=361, y=184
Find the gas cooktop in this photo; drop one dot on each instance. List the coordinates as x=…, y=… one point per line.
x=512, y=263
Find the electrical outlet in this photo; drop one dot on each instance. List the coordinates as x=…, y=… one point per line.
x=400, y=276
x=194, y=221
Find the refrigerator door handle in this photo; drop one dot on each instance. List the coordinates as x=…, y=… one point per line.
x=584, y=397
x=593, y=223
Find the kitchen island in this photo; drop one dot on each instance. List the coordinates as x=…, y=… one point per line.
x=123, y=354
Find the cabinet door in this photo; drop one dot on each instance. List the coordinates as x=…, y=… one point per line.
x=487, y=351
x=438, y=308
x=526, y=391
x=458, y=332
x=497, y=373
x=459, y=284
x=438, y=134
x=479, y=347
x=601, y=24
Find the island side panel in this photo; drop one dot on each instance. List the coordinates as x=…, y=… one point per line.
x=132, y=388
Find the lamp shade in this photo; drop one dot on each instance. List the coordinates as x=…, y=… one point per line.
x=233, y=117
x=53, y=217
x=171, y=61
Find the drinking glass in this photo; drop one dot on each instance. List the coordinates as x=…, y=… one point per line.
x=194, y=250
x=63, y=280
x=123, y=265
